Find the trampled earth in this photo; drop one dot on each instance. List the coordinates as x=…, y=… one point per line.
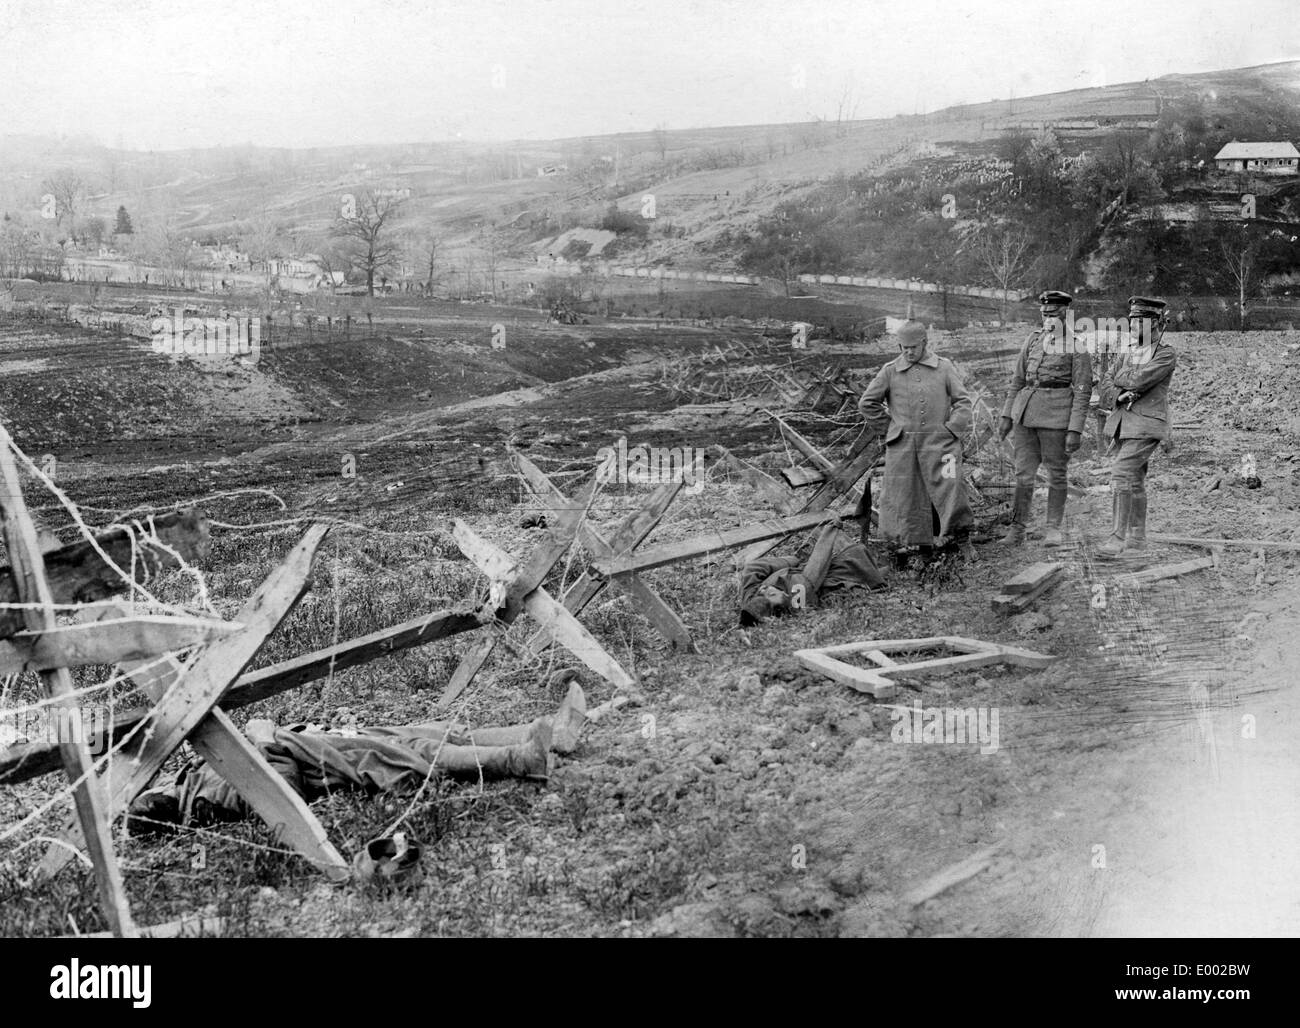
x=1134, y=784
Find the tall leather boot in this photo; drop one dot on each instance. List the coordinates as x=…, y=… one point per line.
x=1113, y=545
x=1137, y=526
x=1055, y=514
x=1015, y=533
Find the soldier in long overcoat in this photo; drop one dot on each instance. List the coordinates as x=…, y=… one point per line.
x=919, y=402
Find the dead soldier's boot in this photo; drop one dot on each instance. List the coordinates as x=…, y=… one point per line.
x=1055, y=513
x=1113, y=545
x=1137, y=525
x=1015, y=533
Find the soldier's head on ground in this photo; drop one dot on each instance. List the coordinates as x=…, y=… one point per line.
x=913, y=341
x=1147, y=316
x=1052, y=304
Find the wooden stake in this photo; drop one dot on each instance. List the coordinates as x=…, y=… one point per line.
x=549, y=612
x=713, y=542
x=25, y=762
x=1158, y=574
x=78, y=574
x=192, y=700
x=130, y=638
x=765, y=485
x=623, y=540
x=519, y=580
x=29, y=578
x=1255, y=544
x=950, y=876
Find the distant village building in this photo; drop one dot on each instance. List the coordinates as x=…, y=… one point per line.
x=1260, y=158
x=296, y=267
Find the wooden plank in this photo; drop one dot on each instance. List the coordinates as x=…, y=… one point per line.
x=1032, y=577
x=844, y=477
x=929, y=642
x=551, y=615
x=797, y=478
x=1255, y=544
x=78, y=574
x=880, y=658
x=202, y=686
x=625, y=537
x=840, y=481
x=951, y=876
x=518, y=581
x=289, y=674
x=801, y=444
x=1018, y=603
x=569, y=633
x=238, y=761
x=21, y=763
x=242, y=765
x=657, y=612
x=107, y=642
x=972, y=653
x=30, y=586
x=711, y=542
x=185, y=928
x=861, y=679
x=1139, y=579
x=469, y=665
x=761, y=482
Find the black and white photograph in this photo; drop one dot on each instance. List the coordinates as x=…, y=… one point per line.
x=650, y=469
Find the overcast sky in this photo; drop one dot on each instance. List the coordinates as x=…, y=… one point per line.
x=167, y=74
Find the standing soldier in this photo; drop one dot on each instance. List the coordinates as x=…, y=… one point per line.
x=1136, y=390
x=1047, y=408
x=919, y=403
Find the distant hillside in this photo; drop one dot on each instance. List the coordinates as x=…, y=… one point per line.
x=705, y=182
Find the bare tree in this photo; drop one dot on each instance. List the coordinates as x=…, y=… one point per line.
x=331, y=259
x=1003, y=251
x=165, y=247
x=16, y=245
x=660, y=139
x=365, y=230
x=261, y=238
x=96, y=230
x=1240, y=253
x=68, y=189
x=425, y=251
x=491, y=247
x=846, y=109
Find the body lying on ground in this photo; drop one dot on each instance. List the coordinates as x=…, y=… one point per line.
x=774, y=586
x=396, y=759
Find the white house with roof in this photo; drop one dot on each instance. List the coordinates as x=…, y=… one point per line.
x=1259, y=158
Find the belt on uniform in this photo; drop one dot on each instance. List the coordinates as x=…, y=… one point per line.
x=1046, y=385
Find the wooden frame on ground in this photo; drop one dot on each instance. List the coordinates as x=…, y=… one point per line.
x=970, y=653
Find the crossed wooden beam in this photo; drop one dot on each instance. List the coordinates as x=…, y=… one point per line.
x=189, y=698
x=186, y=707
x=620, y=561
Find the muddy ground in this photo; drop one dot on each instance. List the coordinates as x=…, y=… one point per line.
x=1139, y=785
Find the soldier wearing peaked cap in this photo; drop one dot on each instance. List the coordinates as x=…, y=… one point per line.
x=919, y=403
x=1046, y=408
x=1136, y=391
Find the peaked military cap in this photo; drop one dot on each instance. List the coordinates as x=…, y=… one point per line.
x=1054, y=299
x=1146, y=307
